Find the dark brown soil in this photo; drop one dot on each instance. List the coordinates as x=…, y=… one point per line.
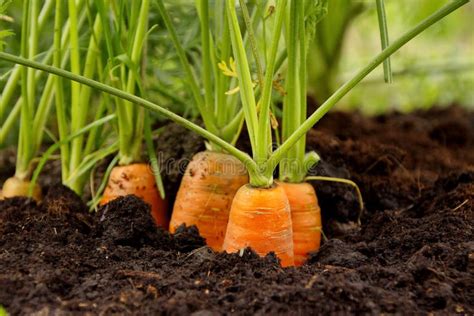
x=414, y=253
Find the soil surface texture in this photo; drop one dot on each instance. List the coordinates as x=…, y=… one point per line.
x=412, y=254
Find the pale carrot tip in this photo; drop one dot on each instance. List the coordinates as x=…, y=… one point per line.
x=14, y=187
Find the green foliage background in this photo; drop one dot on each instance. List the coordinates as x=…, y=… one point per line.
x=437, y=68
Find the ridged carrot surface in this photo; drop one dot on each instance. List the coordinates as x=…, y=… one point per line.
x=261, y=219
x=306, y=219
x=206, y=193
x=137, y=179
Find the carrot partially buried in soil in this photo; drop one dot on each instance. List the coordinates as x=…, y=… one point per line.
x=305, y=217
x=206, y=193
x=15, y=186
x=137, y=179
x=260, y=218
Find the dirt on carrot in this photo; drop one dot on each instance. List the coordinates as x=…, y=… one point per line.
x=206, y=193
x=260, y=218
x=137, y=179
x=412, y=255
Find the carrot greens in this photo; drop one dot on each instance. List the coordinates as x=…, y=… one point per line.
x=29, y=143
x=124, y=55
x=218, y=108
x=75, y=154
x=387, y=68
x=255, y=110
x=15, y=75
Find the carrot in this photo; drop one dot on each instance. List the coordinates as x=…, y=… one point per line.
x=306, y=219
x=136, y=179
x=206, y=193
x=260, y=218
x=15, y=186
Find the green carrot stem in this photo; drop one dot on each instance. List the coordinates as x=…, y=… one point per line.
x=228, y=131
x=76, y=106
x=103, y=184
x=130, y=147
x=253, y=43
x=224, y=110
x=32, y=52
x=245, y=79
x=25, y=145
x=92, y=138
x=292, y=102
x=303, y=52
x=203, y=6
x=89, y=162
x=59, y=95
x=42, y=111
x=153, y=159
x=10, y=121
x=387, y=68
x=234, y=100
x=242, y=156
x=267, y=88
x=45, y=103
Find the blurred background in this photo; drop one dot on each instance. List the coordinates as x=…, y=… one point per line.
x=435, y=69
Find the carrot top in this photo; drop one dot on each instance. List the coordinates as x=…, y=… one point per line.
x=264, y=161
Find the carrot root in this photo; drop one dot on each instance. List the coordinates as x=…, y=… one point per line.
x=306, y=219
x=136, y=179
x=261, y=219
x=16, y=187
x=206, y=193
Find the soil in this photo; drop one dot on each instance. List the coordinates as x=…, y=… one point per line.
x=413, y=253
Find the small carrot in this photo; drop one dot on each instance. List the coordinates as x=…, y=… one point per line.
x=15, y=186
x=136, y=179
x=260, y=218
x=306, y=219
x=206, y=193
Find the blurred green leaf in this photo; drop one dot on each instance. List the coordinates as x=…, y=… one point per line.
x=4, y=33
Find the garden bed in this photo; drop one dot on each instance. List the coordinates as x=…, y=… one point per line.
x=413, y=254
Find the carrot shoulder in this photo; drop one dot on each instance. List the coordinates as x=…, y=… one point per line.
x=306, y=219
x=136, y=179
x=206, y=193
x=17, y=187
x=260, y=219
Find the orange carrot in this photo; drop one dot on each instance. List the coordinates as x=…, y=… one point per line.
x=306, y=219
x=17, y=187
x=136, y=179
x=260, y=218
x=206, y=193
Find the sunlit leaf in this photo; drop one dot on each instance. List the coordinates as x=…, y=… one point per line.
x=233, y=91
x=230, y=70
